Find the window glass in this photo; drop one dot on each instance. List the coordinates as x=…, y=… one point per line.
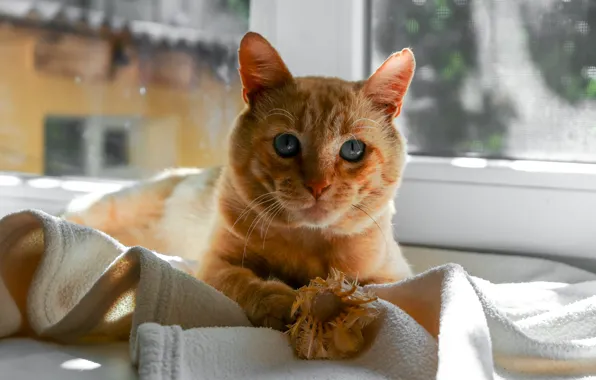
x=495, y=78
x=117, y=88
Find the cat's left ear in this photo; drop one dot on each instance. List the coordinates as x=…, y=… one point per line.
x=388, y=86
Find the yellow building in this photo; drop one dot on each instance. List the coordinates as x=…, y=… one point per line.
x=112, y=102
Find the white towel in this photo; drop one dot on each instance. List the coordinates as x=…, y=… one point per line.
x=442, y=324
x=68, y=283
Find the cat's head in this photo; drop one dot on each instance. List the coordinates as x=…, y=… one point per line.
x=317, y=152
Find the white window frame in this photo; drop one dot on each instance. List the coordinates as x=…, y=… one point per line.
x=525, y=207
x=522, y=207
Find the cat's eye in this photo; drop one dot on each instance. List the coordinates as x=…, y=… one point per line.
x=286, y=145
x=352, y=150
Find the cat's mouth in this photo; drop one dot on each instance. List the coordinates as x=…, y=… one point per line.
x=315, y=212
x=317, y=215
x=312, y=213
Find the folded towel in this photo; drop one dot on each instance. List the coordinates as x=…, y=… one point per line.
x=69, y=283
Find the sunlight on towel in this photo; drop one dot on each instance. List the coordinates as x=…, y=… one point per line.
x=80, y=365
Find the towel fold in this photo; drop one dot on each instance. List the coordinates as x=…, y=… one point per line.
x=69, y=283
x=72, y=284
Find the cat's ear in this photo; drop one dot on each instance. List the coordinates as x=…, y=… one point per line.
x=388, y=85
x=261, y=67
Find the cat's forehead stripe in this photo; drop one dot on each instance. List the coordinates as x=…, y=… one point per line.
x=326, y=118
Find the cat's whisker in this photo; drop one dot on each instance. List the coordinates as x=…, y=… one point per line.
x=256, y=220
x=376, y=123
x=251, y=208
x=253, y=225
x=246, y=209
x=262, y=217
x=285, y=112
x=366, y=208
x=269, y=214
x=251, y=205
x=260, y=197
x=281, y=112
x=361, y=208
x=278, y=114
x=275, y=213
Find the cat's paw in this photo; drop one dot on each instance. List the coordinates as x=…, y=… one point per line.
x=274, y=306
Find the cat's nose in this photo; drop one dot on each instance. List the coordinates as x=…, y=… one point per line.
x=317, y=188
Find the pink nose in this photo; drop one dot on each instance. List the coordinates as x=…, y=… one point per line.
x=317, y=188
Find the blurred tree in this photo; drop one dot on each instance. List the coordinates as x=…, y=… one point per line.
x=442, y=35
x=562, y=45
x=238, y=7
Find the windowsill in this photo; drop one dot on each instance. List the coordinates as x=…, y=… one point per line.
x=524, y=207
x=520, y=173
x=51, y=194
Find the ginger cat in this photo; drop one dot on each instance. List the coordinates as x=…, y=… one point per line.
x=314, y=165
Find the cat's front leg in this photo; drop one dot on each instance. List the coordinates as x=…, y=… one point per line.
x=267, y=303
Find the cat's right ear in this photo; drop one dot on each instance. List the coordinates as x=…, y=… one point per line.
x=261, y=67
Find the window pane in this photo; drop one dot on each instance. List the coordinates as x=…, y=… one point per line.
x=64, y=154
x=117, y=88
x=495, y=78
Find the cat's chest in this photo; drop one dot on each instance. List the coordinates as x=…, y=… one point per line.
x=298, y=257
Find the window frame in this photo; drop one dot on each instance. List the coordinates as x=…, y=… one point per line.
x=95, y=129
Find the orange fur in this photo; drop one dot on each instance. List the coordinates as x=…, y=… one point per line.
x=271, y=235
x=171, y=213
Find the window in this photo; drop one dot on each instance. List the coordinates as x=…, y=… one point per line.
x=96, y=147
x=64, y=146
x=96, y=93
x=87, y=88
x=115, y=148
x=496, y=78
